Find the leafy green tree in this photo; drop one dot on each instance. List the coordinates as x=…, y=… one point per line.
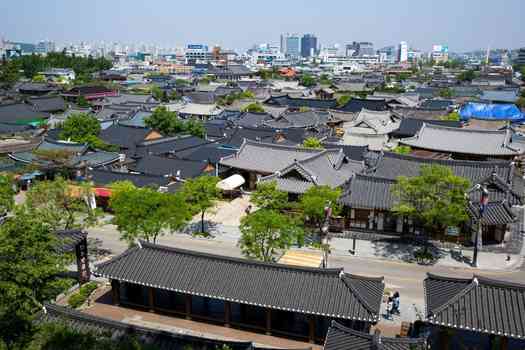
x=254, y=108
x=304, y=109
x=401, y=149
x=265, y=231
x=452, y=116
x=435, y=198
x=314, y=202
x=62, y=206
x=144, y=213
x=39, y=78
x=312, y=142
x=324, y=79
x=201, y=194
x=343, y=100
x=268, y=196
x=159, y=94
x=164, y=121
x=307, y=80
x=28, y=268
x=7, y=193
x=195, y=127
x=79, y=126
x=467, y=75
x=82, y=102
x=9, y=73
x=446, y=93
x=58, y=159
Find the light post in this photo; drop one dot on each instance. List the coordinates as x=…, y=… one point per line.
x=324, y=233
x=478, y=241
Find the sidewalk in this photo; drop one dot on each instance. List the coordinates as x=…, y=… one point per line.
x=405, y=253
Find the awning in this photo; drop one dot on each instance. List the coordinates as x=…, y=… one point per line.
x=231, y=182
x=302, y=258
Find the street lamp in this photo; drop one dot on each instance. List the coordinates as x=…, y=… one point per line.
x=324, y=231
x=478, y=241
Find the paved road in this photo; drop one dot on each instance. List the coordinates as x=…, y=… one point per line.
x=404, y=277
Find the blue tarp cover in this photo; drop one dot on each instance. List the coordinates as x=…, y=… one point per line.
x=491, y=112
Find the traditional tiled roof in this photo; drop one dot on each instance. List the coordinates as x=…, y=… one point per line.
x=328, y=168
x=373, y=122
x=409, y=127
x=496, y=213
x=476, y=304
x=374, y=142
x=340, y=337
x=212, y=153
x=253, y=120
x=507, y=96
x=20, y=113
x=156, y=165
x=326, y=292
x=169, y=145
x=420, y=113
x=124, y=136
x=351, y=152
x=368, y=192
x=466, y=141
x=391, y=165
x=266, y=158
x=101, y=177
x=159, y=339
x=301, y=102
x=201, y=97
x=355, y=105
x=436, y=104
x=48, y=103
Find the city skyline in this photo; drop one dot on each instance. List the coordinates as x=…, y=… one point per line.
x=168, y=25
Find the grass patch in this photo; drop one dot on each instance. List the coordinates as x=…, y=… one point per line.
x=81, y=296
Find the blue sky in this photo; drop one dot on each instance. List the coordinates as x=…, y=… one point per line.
x=462, y=24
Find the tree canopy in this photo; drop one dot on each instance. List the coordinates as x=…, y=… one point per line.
x=7, y=193
x=314, y=202
x=62, y=206
x=307, y=80
x=201, y=194
x=83, y=128
x=452, y=116
x=312, y=142
x=169, y=124
x=265, y=231
x=401, y=149
x=254, y=108
x=435, y=198
x=28, y=268
x=144, y=213
x=343, y=100
x=267, y=196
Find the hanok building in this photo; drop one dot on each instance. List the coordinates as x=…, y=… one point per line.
x=340, y=337
x=294, y=168
x=89, y=93
x=370, y=128
x=476, y=312
x=469, y=144
x=296, y=103
x=368, y=198
x=295, y=302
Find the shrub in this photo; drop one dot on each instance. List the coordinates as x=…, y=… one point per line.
x=81, y=296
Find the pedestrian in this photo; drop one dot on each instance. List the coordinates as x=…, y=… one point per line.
x=395, y=302
x=389, y=306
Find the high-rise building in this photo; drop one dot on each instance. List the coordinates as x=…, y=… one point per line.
x=308, y=45
x=402, y=52
x=45, y=46
x=520, y=59
x=293, y=45
x=387, y=54
x=439, y=53
x=360, y=49
x=197, y=52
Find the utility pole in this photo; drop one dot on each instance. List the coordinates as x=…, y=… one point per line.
x=324, y=230
x=478, y=241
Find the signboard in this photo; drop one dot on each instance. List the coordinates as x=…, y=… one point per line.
x=453, y=231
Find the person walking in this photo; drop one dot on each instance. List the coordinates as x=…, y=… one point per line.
x=389, y=306
x=395, y=303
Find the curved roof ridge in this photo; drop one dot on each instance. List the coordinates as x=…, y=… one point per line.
x=276, y=146
x=375, y=178
x=473, y=284
x=450, y=161
x=148, y=245
x=469, y=130
x=347, y=279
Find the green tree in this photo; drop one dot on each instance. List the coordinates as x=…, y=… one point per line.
x=343, y=100
x=159, y=94
x=265, y=231
x=79, y=126
x=62, y=206
x=402, y=149
x=145, y=213
x=307, y=80
x=253, y=108
x=446, y=93
x=7, y=193
x=467, y=75
x=452, y=116
x=314, y=202
x=268, y=196
x=324, y=79
x=164, y=121
x=82, y=102
x=435, y=198
x=312, y=142
x=201, y=194
x=9, y=73
x=39, y=78
x=29, y=264
x=195, y=127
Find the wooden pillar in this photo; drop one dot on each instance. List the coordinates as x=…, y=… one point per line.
x=227, y=313
x=151, y=298
x=268, y=321
x=188, y=306
x=503, y=343
x=115, y=292
x=242, y=311
x=311, y=329
x=444, y=338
